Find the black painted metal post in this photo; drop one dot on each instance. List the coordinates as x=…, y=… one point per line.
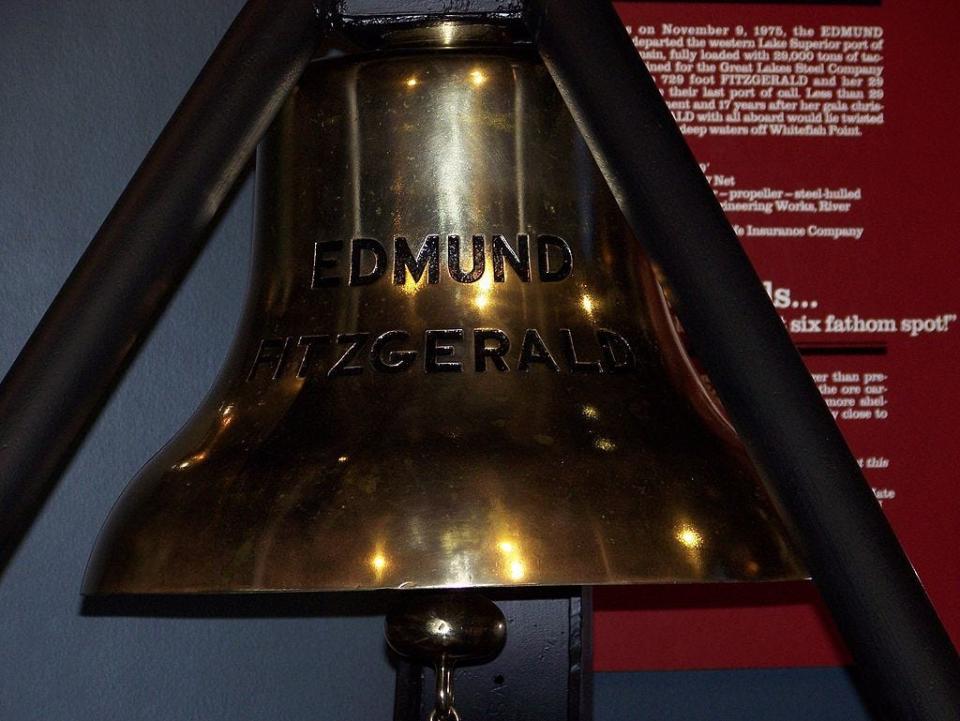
x=133, y=266
x=908, y=663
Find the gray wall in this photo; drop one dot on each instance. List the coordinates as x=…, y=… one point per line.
x=85, y=86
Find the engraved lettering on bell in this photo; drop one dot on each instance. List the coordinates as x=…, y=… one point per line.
x=391, y=353
x=368, y=259
x=455, y=366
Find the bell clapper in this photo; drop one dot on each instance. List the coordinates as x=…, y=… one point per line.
x=443, y=630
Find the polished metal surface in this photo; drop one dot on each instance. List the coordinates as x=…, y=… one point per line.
x=458, y=625
x=522, y=414
x=444, y=630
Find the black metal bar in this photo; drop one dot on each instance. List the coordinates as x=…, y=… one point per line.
x=906, y=659
x=580, y=679
x=139, y=256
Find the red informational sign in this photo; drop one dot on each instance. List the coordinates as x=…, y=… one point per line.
x=829, y=134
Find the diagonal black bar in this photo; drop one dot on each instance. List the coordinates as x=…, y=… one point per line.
x=906, y=660
x=133, y=266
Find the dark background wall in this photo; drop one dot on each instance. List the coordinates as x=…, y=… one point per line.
x=85, y=87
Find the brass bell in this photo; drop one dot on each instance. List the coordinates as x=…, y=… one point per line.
x=455, y=367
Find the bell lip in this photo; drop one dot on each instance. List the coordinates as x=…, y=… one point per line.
x=91, y=589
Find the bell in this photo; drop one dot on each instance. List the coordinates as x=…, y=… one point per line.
x=456, y=367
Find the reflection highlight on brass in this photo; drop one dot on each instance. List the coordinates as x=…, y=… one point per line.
x=191, y=461
x=484, y=292
x=588, y=305
x=478, y=77
x=507, y=547
x=513, y=562
x=605, y=445
x=448, y=33
x=689, y=537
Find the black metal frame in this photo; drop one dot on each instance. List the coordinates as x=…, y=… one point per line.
x=147, y=244
x=904, y=656
x=131, y=269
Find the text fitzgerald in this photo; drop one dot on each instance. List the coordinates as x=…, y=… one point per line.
x=442, y=351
